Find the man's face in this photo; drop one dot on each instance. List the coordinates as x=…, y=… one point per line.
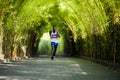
x=55, y=28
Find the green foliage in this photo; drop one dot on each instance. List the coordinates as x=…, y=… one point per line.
x=88, y=27
x=44, y=47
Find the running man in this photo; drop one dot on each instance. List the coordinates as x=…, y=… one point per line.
x=54, y=35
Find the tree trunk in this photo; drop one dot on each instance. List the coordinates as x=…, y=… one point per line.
x=1, y=40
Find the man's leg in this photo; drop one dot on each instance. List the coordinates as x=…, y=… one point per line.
x=55, y=49
x=52, y=53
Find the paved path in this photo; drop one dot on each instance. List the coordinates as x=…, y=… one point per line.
x=57, y=69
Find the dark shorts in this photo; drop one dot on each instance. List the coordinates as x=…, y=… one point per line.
x=54, y=44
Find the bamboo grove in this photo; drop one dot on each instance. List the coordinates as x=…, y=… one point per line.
x=90, y=28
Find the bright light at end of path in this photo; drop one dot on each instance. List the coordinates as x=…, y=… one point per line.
x=45, y=36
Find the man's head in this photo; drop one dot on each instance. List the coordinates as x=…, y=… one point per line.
x=54, y=28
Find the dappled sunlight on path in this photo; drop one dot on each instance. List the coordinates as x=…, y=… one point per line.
x=58, y=69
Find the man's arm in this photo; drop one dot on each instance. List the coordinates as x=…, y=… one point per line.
x=58, y=34
x=50, y=33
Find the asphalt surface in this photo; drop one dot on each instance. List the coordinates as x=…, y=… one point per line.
x=60, y=68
